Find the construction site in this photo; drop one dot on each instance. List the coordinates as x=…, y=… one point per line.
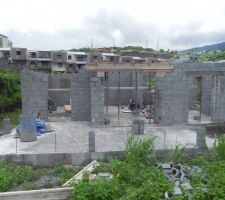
x=91, y=114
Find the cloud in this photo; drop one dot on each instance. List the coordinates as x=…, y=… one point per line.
x=126, y=29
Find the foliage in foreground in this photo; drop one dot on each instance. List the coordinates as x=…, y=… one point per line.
x=12, y=175
x=24, y=177
x=133, y=178
x=10, y=88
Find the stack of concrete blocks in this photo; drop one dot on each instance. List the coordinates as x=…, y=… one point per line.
x=140, y=82
x=206, y=94
x=60, y=81
x=218, y=99
x=138, y=127
x=97, y=100
x=34, y=88
x=172, y=98
x=80, y=97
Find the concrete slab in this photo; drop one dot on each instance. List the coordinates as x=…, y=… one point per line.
x=72, y=137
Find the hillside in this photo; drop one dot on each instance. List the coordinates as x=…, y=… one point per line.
x=212, y=47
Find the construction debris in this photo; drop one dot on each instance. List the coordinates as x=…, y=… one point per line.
x=179, y=176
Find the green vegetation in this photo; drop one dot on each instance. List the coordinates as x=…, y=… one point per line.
x=151, y=82
x=14, y=177
x=10, y=97
x=135, y=177
x=177, y=155
x=126, y=48
x=211, y=56
x=10, y=89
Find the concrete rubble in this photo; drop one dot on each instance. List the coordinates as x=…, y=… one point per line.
x=179, y=176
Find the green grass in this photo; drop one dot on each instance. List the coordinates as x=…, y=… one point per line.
x=13, y=176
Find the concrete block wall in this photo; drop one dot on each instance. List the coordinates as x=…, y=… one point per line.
x=218, y=99
x=127, y=79
x=80, y=97
x=97, y=100
x=61, y=98
x=125, y=94
x=60, y=81
x=34, y=88
x=206, y=99
x=172, y=100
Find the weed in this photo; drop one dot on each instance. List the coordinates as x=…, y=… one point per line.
x=219, y=148
x=138, y=151
x=176, y=155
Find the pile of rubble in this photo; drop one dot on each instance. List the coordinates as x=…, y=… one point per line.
x=179, y=176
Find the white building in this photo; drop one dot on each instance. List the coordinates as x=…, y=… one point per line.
x=5, y=42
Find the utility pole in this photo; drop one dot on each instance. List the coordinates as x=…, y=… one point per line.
x=157, y=44
x=91, y=60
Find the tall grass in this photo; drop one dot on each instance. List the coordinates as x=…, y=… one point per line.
x=176, y=155
x=219, y=148
x=139, y=150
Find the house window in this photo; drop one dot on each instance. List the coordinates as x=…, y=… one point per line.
x=18, y=53
x=33, y=55
x=59, y=56
x=60, y=65
x=69, y=57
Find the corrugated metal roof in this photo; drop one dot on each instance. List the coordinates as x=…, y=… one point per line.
x=3, y=36
x=76, y=53
x=5, y=49
x=109, y=54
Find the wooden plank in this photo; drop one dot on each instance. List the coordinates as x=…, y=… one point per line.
x=135, y=68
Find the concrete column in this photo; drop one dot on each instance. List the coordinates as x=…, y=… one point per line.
x=137, y=127
x=6, y=126
x=80, y=97
x=97, y=101
x=91, y=141
x=200, y=137
x=28, y=128
x=34, y=88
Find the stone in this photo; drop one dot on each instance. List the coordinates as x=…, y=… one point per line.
x=166, y=166
x=177, y=191
x=186, y=186
x=105, y=175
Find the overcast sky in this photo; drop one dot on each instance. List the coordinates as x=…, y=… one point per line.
x=66, y=24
